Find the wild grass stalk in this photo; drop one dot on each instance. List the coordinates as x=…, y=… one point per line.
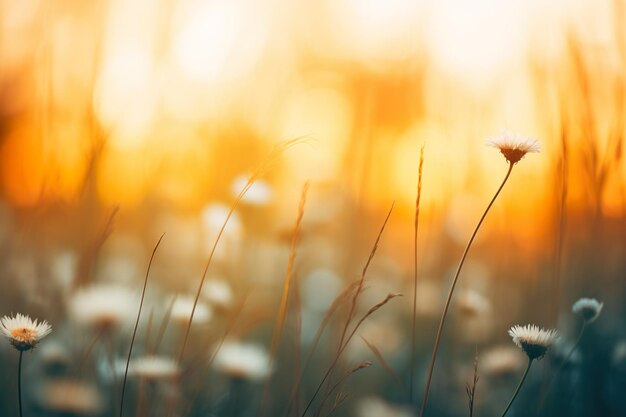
x=371, y=311
x=359, y=290
x=337, y=302
x=354, y=369
x=414, y=318
x=282, y=309
x=277, y=151
x=379, y=356
x=471, y=389
x=361, y=283
x=132, y=340
x=562, y=175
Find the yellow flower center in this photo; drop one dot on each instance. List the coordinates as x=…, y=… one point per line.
x=23, y=333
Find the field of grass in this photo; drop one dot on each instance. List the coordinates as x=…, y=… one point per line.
x=257, y=208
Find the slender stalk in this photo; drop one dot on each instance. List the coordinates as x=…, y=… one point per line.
x=327, y=316
x=343, y=347
x=19, y=382
x=530, y=362
x=281, y=316
x=262, y=169
x=231, y=210
x=413, y=329
x=454, y=282
x=359, y=289
x=132, y=341
x=546, y=392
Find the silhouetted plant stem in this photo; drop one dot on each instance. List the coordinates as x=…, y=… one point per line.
x=132, y=341
x=454, y=282
x=414, y=322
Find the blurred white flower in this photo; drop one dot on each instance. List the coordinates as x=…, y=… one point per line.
x=501, y=361
x=319, y=289
x=376, y=407
x=240, y=360
x=533, y=340
x=154, y=368
x=183, y=305
x=217, y=292
x=71, y=396
x=103, y=305
x=213, y=217
x=381, y=331
x=513, y=145
x=23, y=332
x=259, y=194
x=588, y=308
x=618, y=356
x=54, y=354
x=473, y=303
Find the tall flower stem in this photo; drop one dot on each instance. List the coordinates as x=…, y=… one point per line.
x=454, y=282
x=19, y=382
x=530, y=362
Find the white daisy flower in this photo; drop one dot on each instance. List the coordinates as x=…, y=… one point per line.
x=245, y=361
x=218, y=292
x=154, y=368
x=533, y=340
x=473, y=303
x=513, y=145
x=259, y=194
x=23, y=332
x=183, y=305
x=71, y=396
x=103, y=305
x=501, y=361
x=588, y=308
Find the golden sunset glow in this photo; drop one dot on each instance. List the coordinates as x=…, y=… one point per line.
x=271, y=202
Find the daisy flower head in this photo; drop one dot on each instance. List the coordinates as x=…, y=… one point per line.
x=514, y=146
x=183, y=307
x=588, y=308
x=243, y=361
x=533, y=340
x=155, y=368
x=23, y=332
x=103, y=306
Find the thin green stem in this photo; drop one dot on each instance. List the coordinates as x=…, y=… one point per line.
x=454, y=282
x=19, y=382
x=530, y=362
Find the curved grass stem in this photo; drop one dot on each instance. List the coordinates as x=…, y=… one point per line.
x=454, y=282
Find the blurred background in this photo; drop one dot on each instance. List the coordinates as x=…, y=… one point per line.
x=121, y=120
